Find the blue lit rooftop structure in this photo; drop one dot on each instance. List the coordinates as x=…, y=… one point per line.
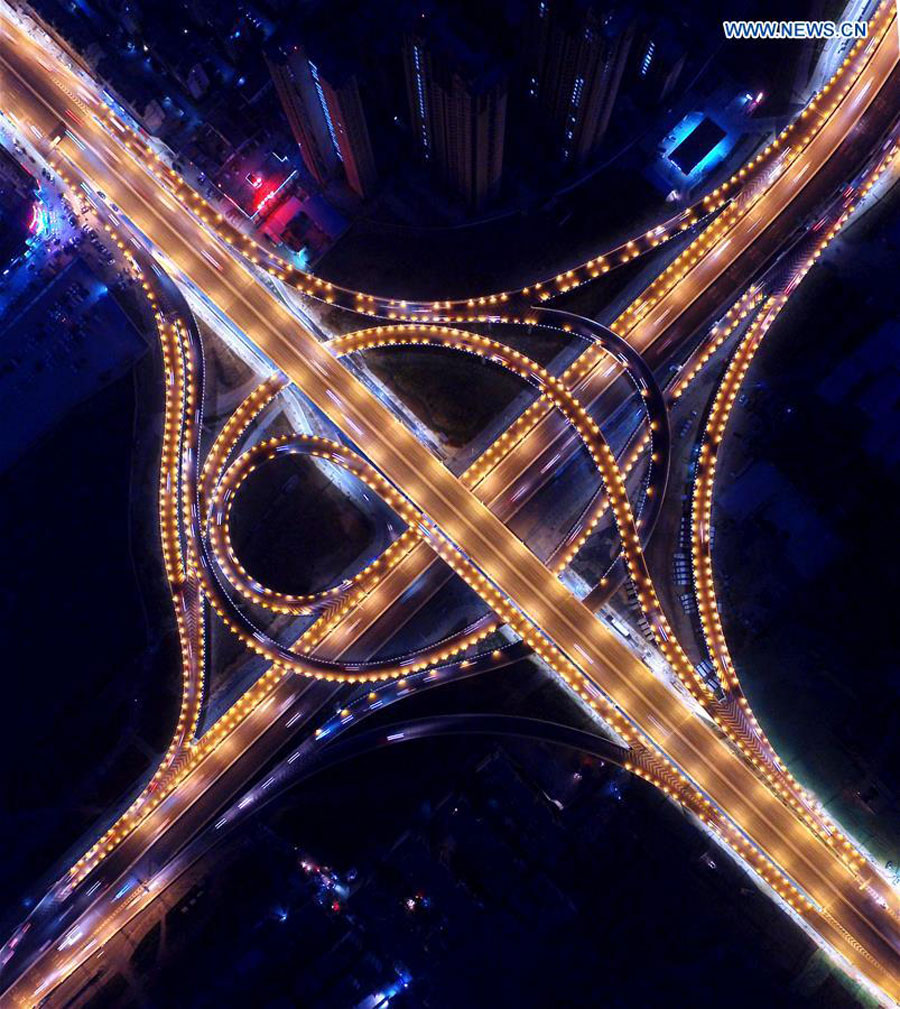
x=694, y=147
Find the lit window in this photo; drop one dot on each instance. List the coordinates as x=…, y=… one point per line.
x=314, y=70
x=577, y=89
x=420, y=94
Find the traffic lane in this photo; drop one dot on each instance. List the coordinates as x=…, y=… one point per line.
x=535, y=460
x=436, y=574
x=660, y=323
x=367, y=612
x=499, y=564
x=779, y=196
x=410, y=480
x=832, y=175
x=774, y=828
x=217, y=778
x=423, y=560
x=553, y=608
x=451, y=509
x=697, y=303
x=505, y=503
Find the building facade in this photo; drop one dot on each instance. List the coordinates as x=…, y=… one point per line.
x=325, y=112
x=458, y=116
x=575, y=54
x=660, y=56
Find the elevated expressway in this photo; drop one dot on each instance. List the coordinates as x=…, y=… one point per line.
x=510, y=471
x=479, y=546
x=542, y=440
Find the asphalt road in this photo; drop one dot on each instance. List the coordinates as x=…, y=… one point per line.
x=540, y=607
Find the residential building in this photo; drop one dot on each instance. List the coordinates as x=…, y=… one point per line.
x=575, y=53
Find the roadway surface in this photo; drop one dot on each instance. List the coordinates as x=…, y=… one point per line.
x=572, y=639
x=519, y=470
